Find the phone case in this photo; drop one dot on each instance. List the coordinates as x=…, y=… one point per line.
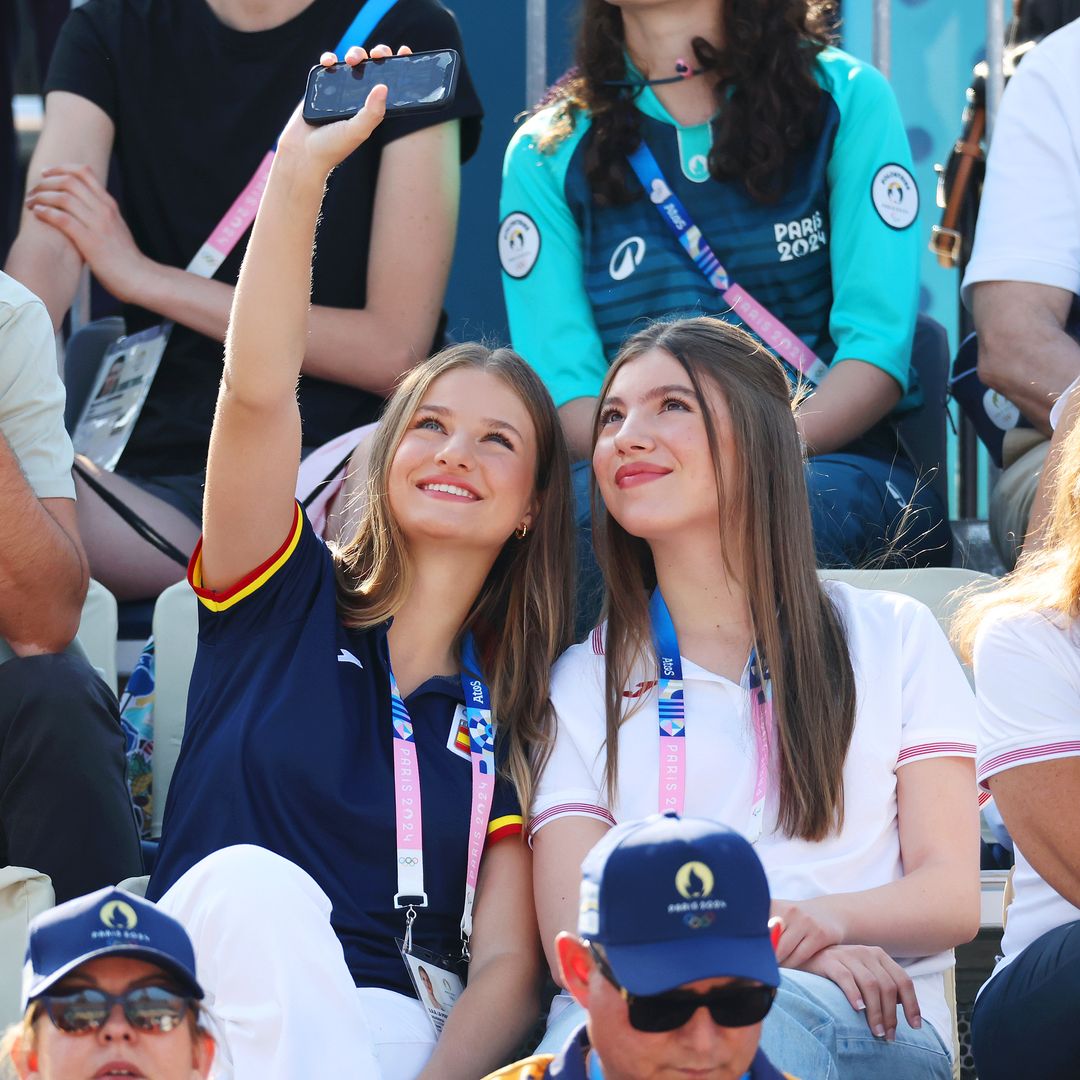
x=322, y=117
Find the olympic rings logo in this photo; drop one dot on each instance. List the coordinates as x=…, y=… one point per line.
x=407, y=860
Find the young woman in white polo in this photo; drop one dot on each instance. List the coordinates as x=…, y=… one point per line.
x=832, y=725
x=1025, y=636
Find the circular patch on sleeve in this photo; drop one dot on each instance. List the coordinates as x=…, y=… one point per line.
x=1002, y=412
x=895, y=196
x=519, y=244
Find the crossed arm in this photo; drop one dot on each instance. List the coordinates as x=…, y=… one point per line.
x=70, y=219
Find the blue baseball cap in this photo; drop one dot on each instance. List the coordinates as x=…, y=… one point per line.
x=672, y=900
x=109, y=922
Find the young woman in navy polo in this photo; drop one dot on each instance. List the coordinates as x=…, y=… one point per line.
x=325, y=805
x=832, y=725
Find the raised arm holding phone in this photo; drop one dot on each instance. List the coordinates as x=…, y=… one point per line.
x=347, y=801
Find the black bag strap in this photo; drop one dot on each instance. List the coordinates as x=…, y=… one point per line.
x=142, y=527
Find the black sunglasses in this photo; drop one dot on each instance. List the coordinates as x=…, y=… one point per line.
x=154, y=1009
x=737, y=1005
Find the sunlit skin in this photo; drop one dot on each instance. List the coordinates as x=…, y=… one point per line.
x=116, y=1048
x=471, y=434
x=699, y=1050
x=652, y=459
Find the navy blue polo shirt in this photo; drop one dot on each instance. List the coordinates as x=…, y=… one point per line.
x=288, y=745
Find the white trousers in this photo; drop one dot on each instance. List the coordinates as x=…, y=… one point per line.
x=279, y=997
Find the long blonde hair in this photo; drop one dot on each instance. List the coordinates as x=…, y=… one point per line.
x=522, y=617
x=797, y=631
x=1047, y=575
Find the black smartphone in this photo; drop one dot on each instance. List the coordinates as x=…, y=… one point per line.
x=422, y=82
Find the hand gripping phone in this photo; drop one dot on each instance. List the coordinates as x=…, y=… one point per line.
x=422, y=82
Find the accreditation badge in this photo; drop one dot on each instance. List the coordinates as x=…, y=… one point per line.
x=437, y=980
x=123, y=381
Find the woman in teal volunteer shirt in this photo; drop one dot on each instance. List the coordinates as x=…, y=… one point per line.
x=323, y=805
x=791, y=158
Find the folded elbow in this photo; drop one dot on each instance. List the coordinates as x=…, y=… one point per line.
x=995, y=367
x=968, y=925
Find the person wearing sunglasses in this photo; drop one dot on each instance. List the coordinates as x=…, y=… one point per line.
x=109, y=989
x=674, y=960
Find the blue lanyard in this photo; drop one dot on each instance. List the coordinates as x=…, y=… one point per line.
x=367, y=18
x=784, y=342
x=672, y=718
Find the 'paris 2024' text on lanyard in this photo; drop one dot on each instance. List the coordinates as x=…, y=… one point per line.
x=672, y=719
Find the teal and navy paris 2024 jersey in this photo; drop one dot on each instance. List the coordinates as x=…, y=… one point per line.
x=836, y=258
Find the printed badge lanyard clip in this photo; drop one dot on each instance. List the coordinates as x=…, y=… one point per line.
x=672, y=719
x=784, y=342
x=410, y=893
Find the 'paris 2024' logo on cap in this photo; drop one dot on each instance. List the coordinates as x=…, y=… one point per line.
x=117, y=915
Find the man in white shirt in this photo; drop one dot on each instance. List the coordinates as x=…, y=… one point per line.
x=64, y=807
x=1023, y=282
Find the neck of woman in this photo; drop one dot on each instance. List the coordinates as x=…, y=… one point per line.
x=251, y=16
x=708, y=601
x=659, y=36
x=445, y=584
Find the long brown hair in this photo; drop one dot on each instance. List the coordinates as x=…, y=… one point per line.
x=767, y=99
x=797, y=630
x=522, y=617
x=1047, y=574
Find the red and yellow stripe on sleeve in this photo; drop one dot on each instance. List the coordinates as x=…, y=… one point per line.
x=250, y=583
x=501, y=827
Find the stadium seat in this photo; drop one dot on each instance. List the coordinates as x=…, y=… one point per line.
x=23, y=894
x=941, y=589
x=82, y=358
x=97, y=631
x=176, y=625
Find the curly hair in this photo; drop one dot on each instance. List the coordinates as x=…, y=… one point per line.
x=768, y=101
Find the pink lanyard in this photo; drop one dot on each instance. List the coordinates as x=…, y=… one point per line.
x=672, y=719
x=407, y=805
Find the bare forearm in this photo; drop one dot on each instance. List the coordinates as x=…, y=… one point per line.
x=931, y=909
x=346, y=345
x=268, y=328
x=850, y=400
x=43, y=575
x=504, y=987
x=1024, y=351
x=48, y=264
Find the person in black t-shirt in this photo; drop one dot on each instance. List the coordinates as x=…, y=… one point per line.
x=189, y=95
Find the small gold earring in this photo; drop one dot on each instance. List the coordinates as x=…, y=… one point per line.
x=522, y=531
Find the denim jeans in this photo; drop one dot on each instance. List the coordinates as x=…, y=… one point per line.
x=813, y=1032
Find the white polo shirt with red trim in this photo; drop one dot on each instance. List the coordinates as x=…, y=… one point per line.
x=913, y=704
x=1027, y=675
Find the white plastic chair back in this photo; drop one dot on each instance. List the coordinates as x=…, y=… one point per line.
x=98, y=629
x=23, y=894
x=176, y=627
x=941, y=589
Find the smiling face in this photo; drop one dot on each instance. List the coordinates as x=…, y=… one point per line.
x=463, y=473
x=652, y=458
x=117, y=1048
